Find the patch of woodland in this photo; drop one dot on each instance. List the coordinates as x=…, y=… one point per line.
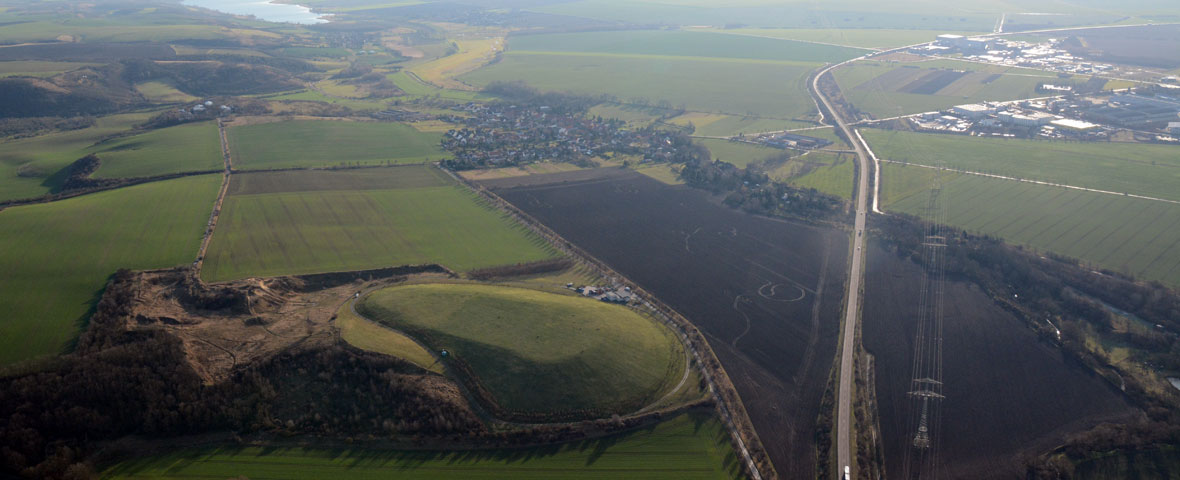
x=14, y=128
x=172, y=117
x=79, y=93
x=1037, y=287
x=122, y=381
x=323, y=281
x=211, y=78
x=126, y=379
x=287, y=64
x=521, y=269
x=75, y=180
x=88, y=52
x=752, y=190
x=377, y=84
x=521, y=94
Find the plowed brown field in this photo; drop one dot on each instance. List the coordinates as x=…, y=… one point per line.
x=767, y=293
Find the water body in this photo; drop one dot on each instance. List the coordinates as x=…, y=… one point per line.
x=262, y=10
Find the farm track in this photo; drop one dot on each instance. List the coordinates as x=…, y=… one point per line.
x=213, y=216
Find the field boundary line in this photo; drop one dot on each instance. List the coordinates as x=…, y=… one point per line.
x=728, y=403
x=853, y=47
x=1035, y=182
x=216, y=213
x=649, y=56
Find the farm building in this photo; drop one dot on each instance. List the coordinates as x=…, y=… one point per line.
x=1174, y=128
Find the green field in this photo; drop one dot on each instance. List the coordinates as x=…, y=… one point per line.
x=357, y=104
x=735, y=124
x=57, y=256
x=862, y=38
x=831, y=173
x=28, y=165
x=879, y=88
x=685, y=447
x=739, y=154
x=1110, y=231
x=415, y=88
x=536, y=352
x=662, y=172
x=194, y=147
x=700, y=71
x=765, y=88
x=1142, y=169
x=683, y=44
x=366, y=335
x=318, y=143
x=929, y=14
x=39, y=68
x=299, y=222
x=163, y=92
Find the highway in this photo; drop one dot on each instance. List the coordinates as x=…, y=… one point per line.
x=844, y=415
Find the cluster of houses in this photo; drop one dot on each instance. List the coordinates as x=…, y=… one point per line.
x=621, y=295
x=500, y=135
x=206, y=108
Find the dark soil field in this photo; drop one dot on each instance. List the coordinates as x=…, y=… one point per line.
x=1156, y=46
x=765, y=292
x=1008, y=393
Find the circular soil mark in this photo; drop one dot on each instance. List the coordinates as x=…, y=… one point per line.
x=781, y=292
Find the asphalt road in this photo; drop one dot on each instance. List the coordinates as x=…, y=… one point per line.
x=852, y=309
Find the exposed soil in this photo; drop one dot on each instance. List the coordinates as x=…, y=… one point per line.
x=1008, y=393
x=765, y=292
x=237, y=323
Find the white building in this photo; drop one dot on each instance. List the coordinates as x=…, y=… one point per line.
x=972, y=110
x=1031, y=119
x=1073, y=125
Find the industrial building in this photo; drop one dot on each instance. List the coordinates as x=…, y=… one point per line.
x=973, y=111
x=1028, y=119
x=1075, y=126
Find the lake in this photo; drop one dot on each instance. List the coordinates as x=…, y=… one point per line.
x=261, y=9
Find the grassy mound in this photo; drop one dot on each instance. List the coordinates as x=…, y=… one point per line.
x=538, y=354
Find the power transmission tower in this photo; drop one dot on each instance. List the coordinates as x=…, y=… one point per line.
x=925, y=394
